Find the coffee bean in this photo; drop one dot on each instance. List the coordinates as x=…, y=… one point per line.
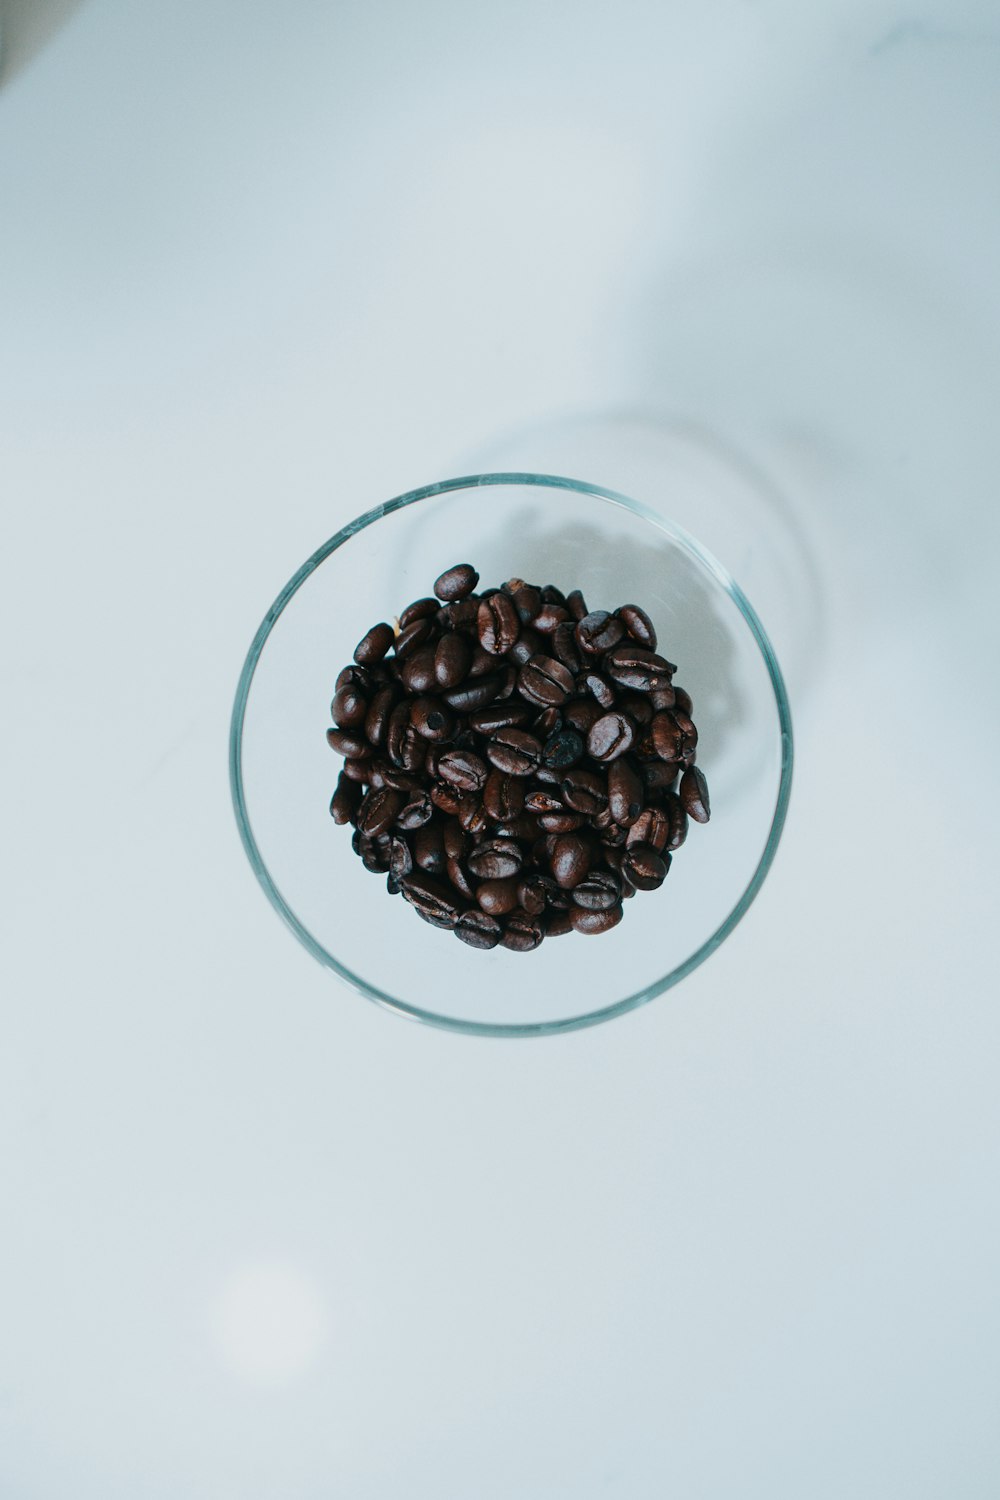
x=577, y=605
x=522, y=933
x=598, y=891
x=563, y=749
x=409, y=782
x=664, y=697
x=358, y=678
x=452, y=658
x=417, y=671
x=348, y=742
x=505, y=715
x=598, y=632
x=652, y=827
x=594, y=922
x=638, y=707
x=379, y=709
x=471, y=695
x=683, y=701
x=527, y=600
x=374, y=644
x=472, y=816
x=570, y=860
x=420, y=609
x=694, y=795
x=527, y=645
x=610, y=736
x=432, y=719
x=430, y=899
x=547, y=723
x=561, y=822
x=498, y=897
x=564, y=646
x=549, y=618
x=584, y=791
x=495, y=859
x=643, y=867
x=356, y=770
x=600, y=689
x=478, y=929
x=581, y=714
x=658, y=774
x=346, y=800
x=447, y=799
x=400, y=858
x=498, y=624
x=417, y=633
x=626, y=792
x=668, y=737
x=455, y=583
x=428, y=848
x=349, y=708
x=558, y=923
x=638, y=624
x=418, y=810
x=463, y=770
x=545, y=681
x=378, y=811
x=455, y=871
x=514, y=751
x=503, y=796
x=634, y=667
x=541, y=800
x=535, y=892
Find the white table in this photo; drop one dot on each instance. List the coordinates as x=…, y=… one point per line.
x=262, y=266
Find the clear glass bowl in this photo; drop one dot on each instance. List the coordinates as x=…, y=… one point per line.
x=548, y=530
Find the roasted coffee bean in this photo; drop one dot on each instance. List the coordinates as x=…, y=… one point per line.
x=497, y=624
x=638, y=708
x=379, y=709
x=570, y=860
x=495, y=859
x=594, y=922
x=668, y=737
x=447, y=799
x=527, y=600
x=420, y=609
x=683, y=701
x=478, y=929
x=428, y=847
x=547, y=723
x=563, y=749
x=416, y=634
x=498, y=897
x=452, y=658
x=514, y=751
x=417, y=672
x=638, y=624
x=614, y=836
x=403, y=781
x=674, y=809
x=685, y=724
x=599, y=688
x=659, y=774
x=577, y=605
x=413, y=749
x=503, y=796
x=664, y=697
x=694, y=795
x=505, y=715
x=547, y=776
x=581, y=714
x=528, y=644
x=473, y=694
x=549, y=618
x=379, y=811
x=584, y=791
x=542, y=800
x=455, y=583
x=522, y=933
x=611, y=736
x=545, y=681
x=643, y=867
x=430, y=899
x=524, y=827
x=418, y=810
x=636, y=668
x=374, y=644
x=508, y=683
x=472, y=816
x=463, y=770
x=598, y=890
x=455, y=839
x=561, y=822
x=346, y=800
x=564, y=646
x=455, y=871
x=349, y=742
x=598, y=632
x=400, y=858
x=356, y=770
x=535, y=892
x=557, y=923
x=481, y=663
x=432, y=719
x=358, y=678
x=626, y=792
x=349, y=708
x=373, y=856
x=651, y=827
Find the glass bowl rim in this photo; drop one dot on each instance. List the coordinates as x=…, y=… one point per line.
x=528, y=1028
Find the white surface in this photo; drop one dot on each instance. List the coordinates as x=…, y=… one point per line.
x=262, y=266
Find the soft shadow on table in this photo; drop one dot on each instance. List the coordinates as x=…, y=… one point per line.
x=26, y=26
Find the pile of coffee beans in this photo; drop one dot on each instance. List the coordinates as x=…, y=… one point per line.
x=516, y=764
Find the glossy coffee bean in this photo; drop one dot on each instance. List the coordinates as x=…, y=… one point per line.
x=564, y=646
x=683, y=701
x=577, y=605
x=563, y=749
x=549, y=618
x=497, y=624
x=470, y=695
x=455, y=871
x=378, y=811
x=357, y=770
x=561, y=822
x=632, y=666
x=535, y=893
x=528, y=644
x=417, y=672
x=503, y=796
x=570, y=860
x=498, y=897
x=514, y=751
x=545, y=681
x=452, y=659
x=638, y=624
x=527, y=600
x=346, y=800
x=664, y=697
x=379, y=709
x=417, y=633
x=349, y=742
x=430, y=899
x=420, y=609
x=428, y=848
x=542, y=800
x=374, y=644
x=581, y=714
x=643, y=868
x=495, y=859
x=400, y=858
x=659, y=774
x=522, y=933
x=599, y=688
x=359, y=678
x=463, y=770
x=668, y=737
x=472, y=816
x=594, y=922
x=626, y=792
x=694, y=795
x=611, y=736
x=652, y=827
x=584, y=791
x=417, y=810
x=598, y=632
x=432, y=719
x=478, y=929
x=557, y=923
x=447, y=799
x=598, y=891
x=505, y=715
x=349, y=708
x=456, y=582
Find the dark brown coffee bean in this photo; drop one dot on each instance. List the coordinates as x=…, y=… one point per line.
x=349, y=708
x=584, y=791
x=498, y=897
x=463, y=770
x=349, y=742
x=478, y=929
x=416, y=634
x=659, y=774
x=416, y=673
x=626, y=792
x=472, y=816
x=505, y=715
x=508, y=683
x=581, y=714
x=379, y=709
x=694, y=795
x=358, y=678
x=545, y=681
x=400, y=858
x=430, y=899
x=663, y=697
x=452, y=658
x=503, y=796
x=599, y=890
x=594, y=922
x=542, y=800
x=674, y=809
x=610, y=737
x=418, y=810
x=378, y=811
x=599, y=688
x=668, y=737
x=514, y=751
x=461, y=616
x=643, y=867
x=685, y=724
x=598, y=632
x=638, y=624
x=524, y=827
x=471, y=695
x=497, y=624
x=570, y=860
x=455, y=871
x=374, y=644
x=413, y=749
x=683, y=701
x=561, y=822
x=420, y=609
x=557, y=923
x=448, y=799
x=522, y=933
x=428, y=848
x=549, y=618
x=409, y=782
x=564, y=646
x=527, y=645
x=495, y=859
x=346, y=800
x=373, y=856
x=577, y=605
x=548, y=723
x=638, y=708
x=563, y=749
x=432, y=719
x=527, y=600
x=651, y=827
x=455, y=583
x=636, y=668
x=535, y=892
x=357, y=770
